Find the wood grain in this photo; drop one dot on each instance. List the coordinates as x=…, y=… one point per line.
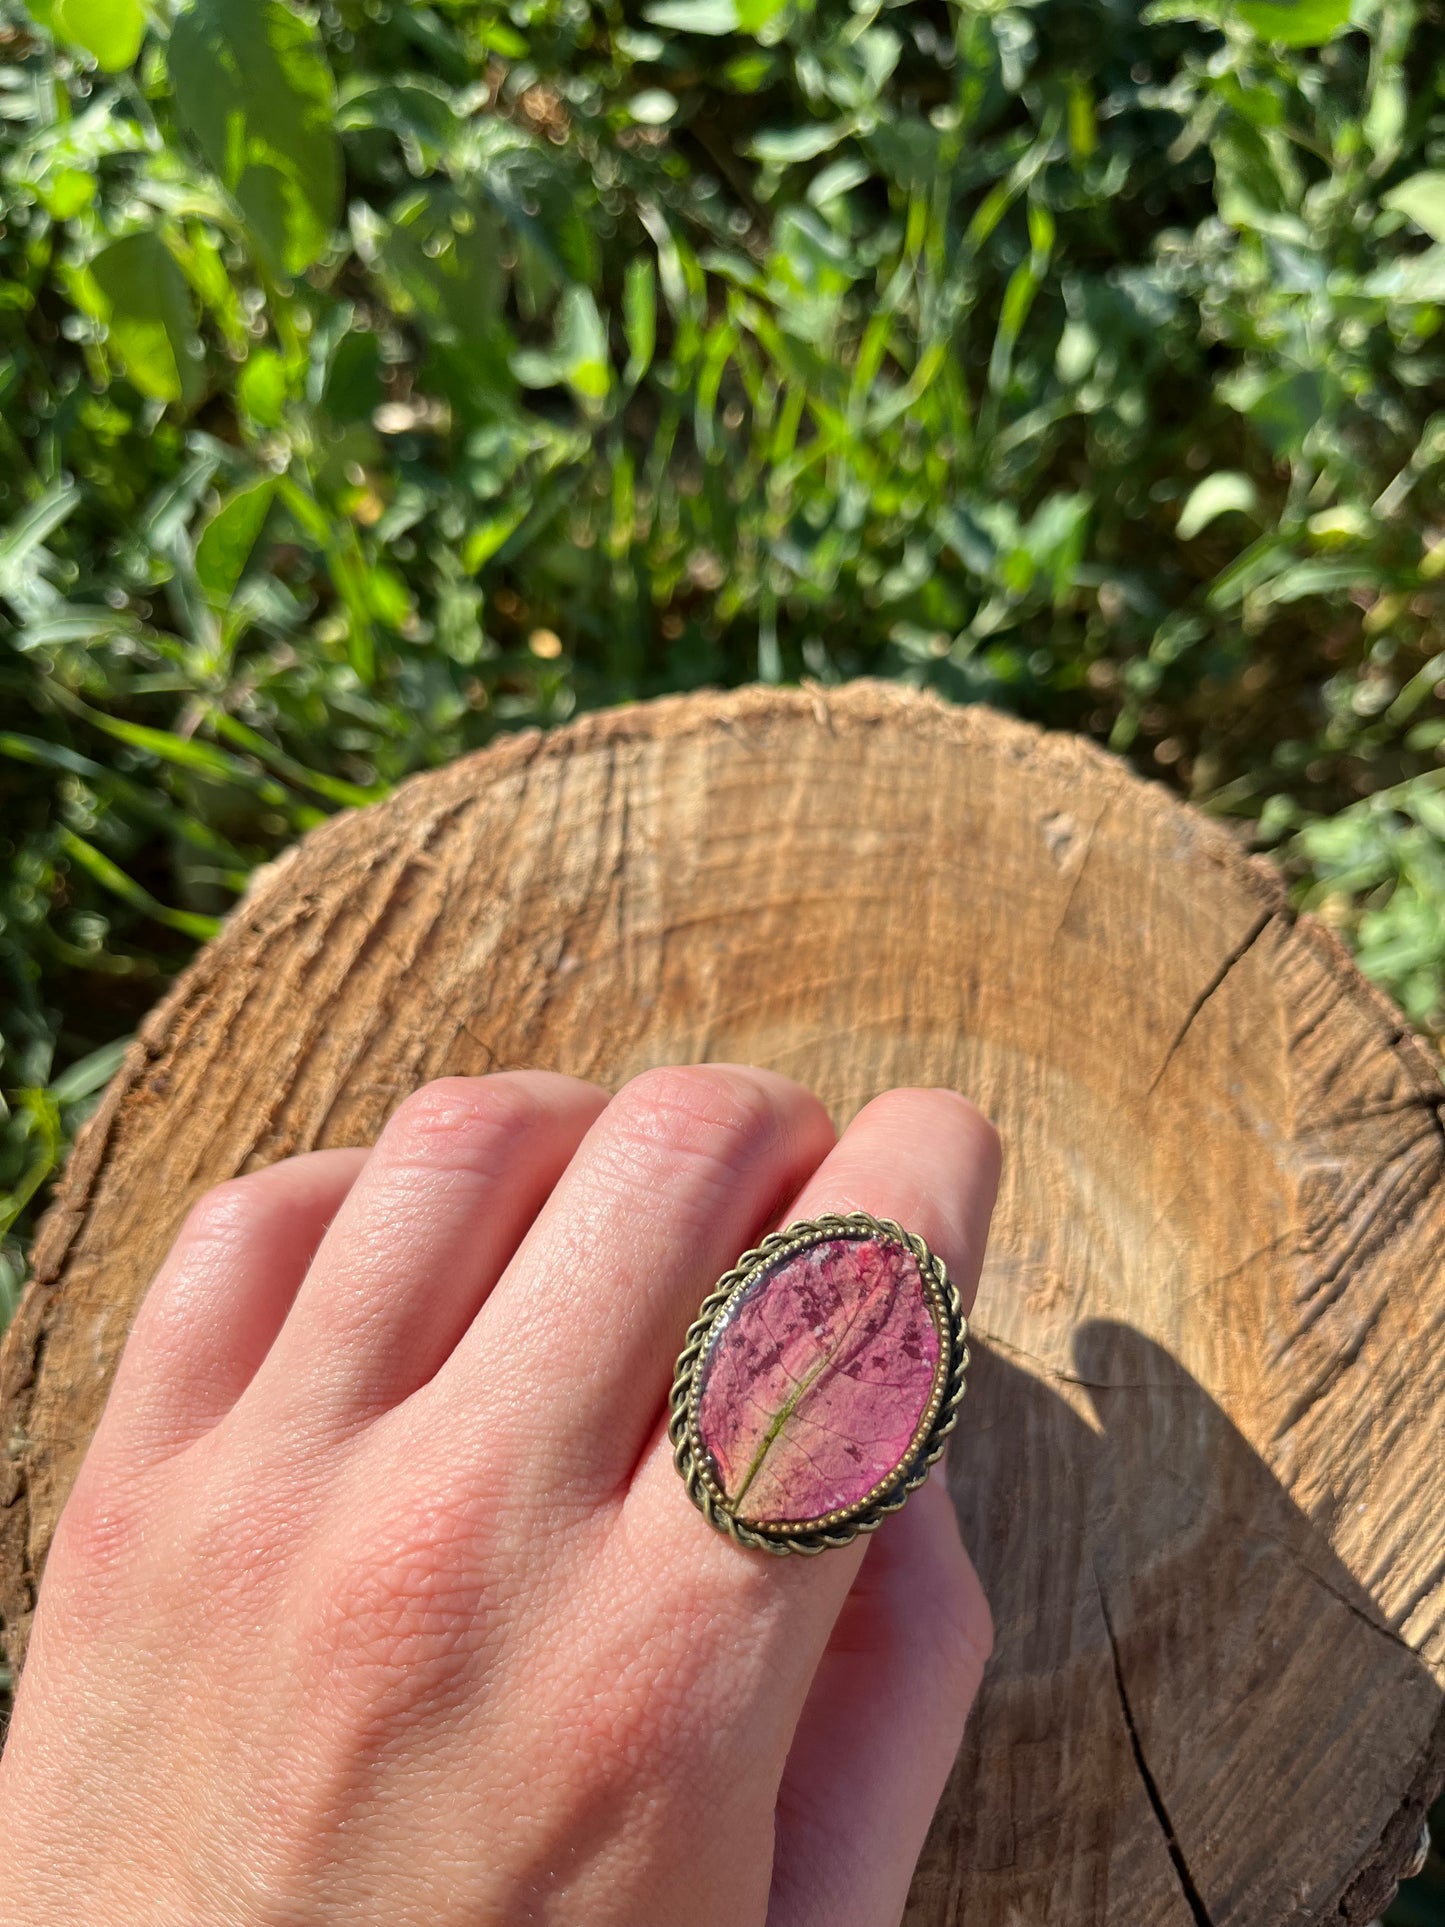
x=1200, y=1461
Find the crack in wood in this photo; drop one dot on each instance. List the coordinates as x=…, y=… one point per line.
x=1365, y=1619
x=987, y=1339
x=1304, y=1403
x=1430, y=1101
x=1232, y=957
x=1379, y=1209
x=1193, y=1899
x=1078, y=876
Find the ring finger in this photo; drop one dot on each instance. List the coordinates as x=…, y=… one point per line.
x=928, y=1160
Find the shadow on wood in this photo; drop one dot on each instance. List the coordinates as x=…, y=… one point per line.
x=1200, y=1464
x=1226, y=1662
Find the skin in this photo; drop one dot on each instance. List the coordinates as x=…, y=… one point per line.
x=379, y=1600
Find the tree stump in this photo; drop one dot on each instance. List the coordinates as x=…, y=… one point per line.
x=1199, y=1464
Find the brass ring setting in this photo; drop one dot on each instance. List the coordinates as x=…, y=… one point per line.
x=818, y=1383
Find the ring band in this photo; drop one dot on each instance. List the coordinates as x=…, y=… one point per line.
x=818, y=1383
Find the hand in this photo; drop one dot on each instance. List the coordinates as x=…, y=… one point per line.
x=378, y=1598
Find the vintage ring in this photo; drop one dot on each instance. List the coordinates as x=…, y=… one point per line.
x=818, y=1383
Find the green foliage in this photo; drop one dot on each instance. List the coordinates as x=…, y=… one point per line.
x=134, y=288
x=1380, y=869
x=111, y=31
x=254, y=93
x=379, y=377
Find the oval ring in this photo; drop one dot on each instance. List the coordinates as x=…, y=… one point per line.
x=817, y=1383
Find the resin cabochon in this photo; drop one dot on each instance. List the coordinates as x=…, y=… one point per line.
x=818, y=1379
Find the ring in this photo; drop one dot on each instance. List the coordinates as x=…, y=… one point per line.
x=818, y=1383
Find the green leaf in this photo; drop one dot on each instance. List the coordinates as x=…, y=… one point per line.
x=111, y=877
x=229, y=537
x=580, y=357
x=438, y=256
x=421, y=116
x=695, y=16
x=1217, y=494
x=1420, y=277
x=1384, y=120
x=1422, y=198
x=253, y=90
x=487, y=537
x=136, y=289
x=1083, y=121
x=66, y=192
x=1296, y=23
x=782, y=147
x=261, y=387
x=1284, y=405
x=837, y=178
x=387, y=595
x=653, y=107
x=1332, y=528
x=1287, y=23
x=349, y=795
x=186, y=752
x=110, y=31
x=88, y=1074
x=582, y=346
x=756, y=16
x=311, y=518
x=438, y=260
x=1054, y=539
x=34, y=525
x=639, y=316
x=32, y=749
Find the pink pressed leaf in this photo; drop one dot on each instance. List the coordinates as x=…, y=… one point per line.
x=814, y=1386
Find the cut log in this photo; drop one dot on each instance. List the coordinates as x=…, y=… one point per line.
x=1200, y=1461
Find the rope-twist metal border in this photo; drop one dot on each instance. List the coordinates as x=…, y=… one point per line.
x=834, y=1528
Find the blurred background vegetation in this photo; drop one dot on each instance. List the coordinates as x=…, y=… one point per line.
x=377, y=377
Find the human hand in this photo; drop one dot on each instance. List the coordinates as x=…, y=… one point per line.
x=378, y=1598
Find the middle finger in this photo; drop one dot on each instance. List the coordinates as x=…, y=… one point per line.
x=575, y=1347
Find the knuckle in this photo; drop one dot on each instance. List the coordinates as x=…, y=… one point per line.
x=658, y=1699
x=102, y=1533
x=954, y=1120
x=223, y=1211
x=402, y=1599
x=948, y=1105
x=740, y=1607
x=218, y=1230
x=721, y=1116
x=454, y=1121
x=980, y=1127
